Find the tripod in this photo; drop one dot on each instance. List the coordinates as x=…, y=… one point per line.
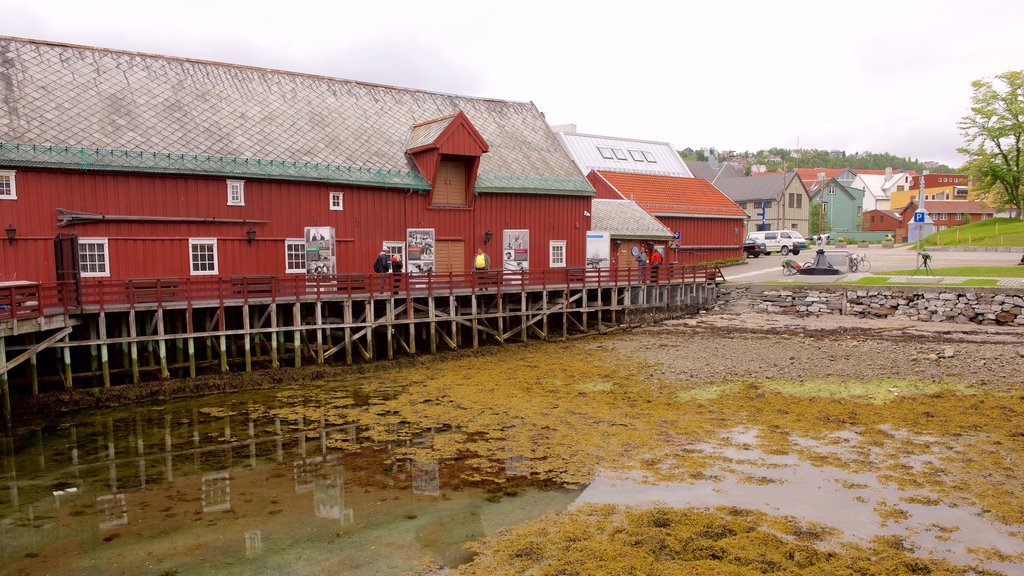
x=924, y=262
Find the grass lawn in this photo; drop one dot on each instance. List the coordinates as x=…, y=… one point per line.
x=972, y=271
x=883, y=281
x=991, y=232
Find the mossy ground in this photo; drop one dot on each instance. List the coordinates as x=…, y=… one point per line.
x=563, y=412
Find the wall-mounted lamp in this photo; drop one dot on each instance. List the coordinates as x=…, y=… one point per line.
x=250, y=234
x=12, y=233
x=487, y=236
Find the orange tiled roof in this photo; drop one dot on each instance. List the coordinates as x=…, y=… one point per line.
x=673, y=194
x=952, y=206
x=811, y=174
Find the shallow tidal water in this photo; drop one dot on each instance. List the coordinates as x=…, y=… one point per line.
x=208, y=486
x=385, y=472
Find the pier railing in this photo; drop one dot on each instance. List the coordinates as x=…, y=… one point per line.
x=26, y=300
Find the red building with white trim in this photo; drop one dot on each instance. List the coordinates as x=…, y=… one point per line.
x=709, y=225
x=167, y=167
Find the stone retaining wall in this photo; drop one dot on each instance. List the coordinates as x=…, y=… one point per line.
x=988, y=306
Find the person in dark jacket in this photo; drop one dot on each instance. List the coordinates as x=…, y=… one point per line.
x=382, y=265
x=396, y=273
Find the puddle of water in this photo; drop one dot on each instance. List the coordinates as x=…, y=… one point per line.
x=856, y=503
x=228, y=491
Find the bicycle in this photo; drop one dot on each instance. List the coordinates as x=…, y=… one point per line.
x=859, y=263
x=789, y=267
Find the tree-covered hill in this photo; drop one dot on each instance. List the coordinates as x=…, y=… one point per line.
x=781, y=158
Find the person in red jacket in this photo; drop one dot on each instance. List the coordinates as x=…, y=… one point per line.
x=656, y=259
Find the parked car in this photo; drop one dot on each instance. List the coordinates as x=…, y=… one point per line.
x=753, y=249
x=784, y=242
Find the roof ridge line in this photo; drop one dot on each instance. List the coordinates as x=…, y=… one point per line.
x=248, y=67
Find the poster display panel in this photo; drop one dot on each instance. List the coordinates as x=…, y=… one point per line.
x=419, y=250
x=599, y=249
x=321, y=258
x=516, y=250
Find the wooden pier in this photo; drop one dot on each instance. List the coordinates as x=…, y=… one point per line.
x=63, y=335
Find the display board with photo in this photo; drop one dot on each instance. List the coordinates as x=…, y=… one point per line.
x=516, y=250
x=321, y=258
x=599, y=249
x=419, y=250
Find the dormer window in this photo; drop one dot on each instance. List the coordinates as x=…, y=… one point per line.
x=649, y=157
x=236, y=192
x=605, y=152
x=619, y=154
x=637, y=155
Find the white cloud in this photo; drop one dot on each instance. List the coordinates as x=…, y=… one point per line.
x=885, y=76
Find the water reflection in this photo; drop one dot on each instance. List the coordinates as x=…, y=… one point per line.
x=857, y=503
x=237, y=490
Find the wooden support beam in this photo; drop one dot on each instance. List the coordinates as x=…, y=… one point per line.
x=5, y=390
x=162, y=344
x=297, y=334
x=223, y=347
x=319, y=317
x=476, y=332
x=272, y=310
x=33, y=367
x=104, y=352
x=5, y=366
x=247, y=338
x=432, y=320
x=189, y=329
x=347, y=319
x=133, y=344
x=389, y=326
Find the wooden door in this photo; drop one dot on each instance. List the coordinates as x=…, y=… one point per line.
x=450, y=184
x=69, y=277
x=449, y=256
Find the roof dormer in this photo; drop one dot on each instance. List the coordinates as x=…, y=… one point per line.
x=447, y=152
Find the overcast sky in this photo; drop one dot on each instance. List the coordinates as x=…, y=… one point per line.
x=885, y=76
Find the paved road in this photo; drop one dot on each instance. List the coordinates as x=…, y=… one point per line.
x=769, y=268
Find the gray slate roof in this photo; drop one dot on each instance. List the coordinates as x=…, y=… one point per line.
x=427, y=132
x=710, y=173
x=180, y=115
x=765, y=187
x=626, y=219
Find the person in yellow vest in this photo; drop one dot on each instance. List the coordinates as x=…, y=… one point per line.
x=481, y=262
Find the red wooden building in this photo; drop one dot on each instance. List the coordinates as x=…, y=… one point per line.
x=161, y=167
x=881, y=220
x=708, y=224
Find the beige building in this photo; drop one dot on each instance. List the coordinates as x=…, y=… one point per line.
x=781, y=197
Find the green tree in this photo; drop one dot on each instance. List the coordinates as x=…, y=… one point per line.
x=818, y=224
x=993, y=134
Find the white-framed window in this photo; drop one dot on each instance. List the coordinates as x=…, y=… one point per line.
x=295, y=256
x=605, y=152
x=202, y=253
x=958, y=216
x=236, y=192
x=93, y=257
x=636, y=155
x=395, y=248
x=619, y=154
x=8, y=191
x=557, y=254
x=649, y=157
x=337, y=201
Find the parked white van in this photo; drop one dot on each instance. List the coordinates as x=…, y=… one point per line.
x=781, y=241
